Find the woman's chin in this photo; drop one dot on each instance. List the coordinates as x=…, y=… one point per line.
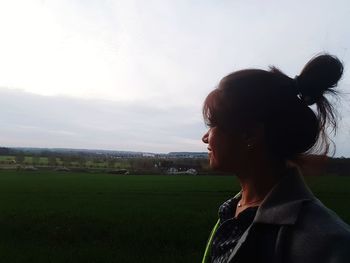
x=214, y=165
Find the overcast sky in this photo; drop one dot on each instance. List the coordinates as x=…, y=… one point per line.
x=132, y=75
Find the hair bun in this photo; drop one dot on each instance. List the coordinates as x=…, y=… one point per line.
x=321, y=74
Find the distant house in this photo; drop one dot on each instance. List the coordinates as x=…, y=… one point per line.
x=192, y=171
x=173, y=170
x=30, y=168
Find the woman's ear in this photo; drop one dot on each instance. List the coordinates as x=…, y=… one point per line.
x=254, y=134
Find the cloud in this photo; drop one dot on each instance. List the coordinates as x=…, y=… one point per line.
x=51, y=121
x=159, y=50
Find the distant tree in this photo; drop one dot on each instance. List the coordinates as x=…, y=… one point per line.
x=66, y=161
x=19, y=158
x=82, y=161
x=96, y=162
x=166, y=164
x=35, y=160
x=52, y=160
x=142, y=164
x=4, y=151
x=111, y=163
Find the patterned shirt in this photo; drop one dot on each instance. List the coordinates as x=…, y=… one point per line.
x=230, y=229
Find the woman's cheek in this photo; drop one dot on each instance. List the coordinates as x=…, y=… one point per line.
x=216, y=160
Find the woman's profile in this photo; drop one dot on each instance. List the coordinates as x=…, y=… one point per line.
x=261, y=126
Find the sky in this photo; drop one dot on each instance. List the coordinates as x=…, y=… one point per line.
x=132, y=75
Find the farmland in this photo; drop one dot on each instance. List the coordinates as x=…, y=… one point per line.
x=48, y=216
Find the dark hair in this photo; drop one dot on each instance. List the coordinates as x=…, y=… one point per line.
x=281, y=104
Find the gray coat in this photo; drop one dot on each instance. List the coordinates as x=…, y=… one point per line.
x=307, y=231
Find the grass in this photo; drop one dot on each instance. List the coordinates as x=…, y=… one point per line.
x=75, y=217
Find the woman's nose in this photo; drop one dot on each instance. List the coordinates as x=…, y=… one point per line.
x=205, y=138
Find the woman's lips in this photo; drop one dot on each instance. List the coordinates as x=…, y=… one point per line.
x=209, y=151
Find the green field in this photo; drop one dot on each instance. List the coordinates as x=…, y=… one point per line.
x=72, y=217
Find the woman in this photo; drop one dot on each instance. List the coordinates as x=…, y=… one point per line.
x=261, y=127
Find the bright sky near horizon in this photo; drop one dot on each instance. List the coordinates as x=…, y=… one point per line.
x=132, y=75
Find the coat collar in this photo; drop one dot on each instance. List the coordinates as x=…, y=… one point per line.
x=282, y=204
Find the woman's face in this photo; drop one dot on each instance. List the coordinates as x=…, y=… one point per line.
x=226, y=151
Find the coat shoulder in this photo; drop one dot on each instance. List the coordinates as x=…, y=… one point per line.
x=319, y=235
x=319, y=219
